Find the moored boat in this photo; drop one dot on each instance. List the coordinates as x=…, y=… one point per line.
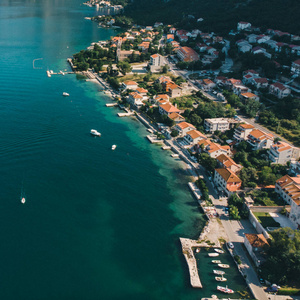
x=216, y=261
x=213, y=254
x=225, y=290
x=218, y=272
x=113, y=147
x=224, y=266
x=221, y=278
x=65, y=94
x=197, y=250
x=219, y=250
x=23, y=200
x=95, y=132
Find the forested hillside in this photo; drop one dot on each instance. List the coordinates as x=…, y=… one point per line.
x=219, y=15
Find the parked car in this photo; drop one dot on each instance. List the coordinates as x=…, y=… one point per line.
x=230, y=245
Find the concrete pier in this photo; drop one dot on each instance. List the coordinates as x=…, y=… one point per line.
x=127, y=114
x=188, y=253
x=154, y=140
x=195, y=190
x=111, y=104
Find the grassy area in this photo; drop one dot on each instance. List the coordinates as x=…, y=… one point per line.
x=266, y=220
x=140, y=77
x=289, y=291
x=185, y=102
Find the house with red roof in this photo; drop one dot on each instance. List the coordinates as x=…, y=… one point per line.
x=167, y=109
x=224, y=161
x=227, y=181
x=241, y=133
x=281, y=153
x=279, y=90
x=296, y=67
x=259, y=83
x=184, y=127
x=187, y=54
x=260, y=140
x=192, y=137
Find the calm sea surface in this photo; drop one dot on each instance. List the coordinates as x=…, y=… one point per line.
x=97, y=223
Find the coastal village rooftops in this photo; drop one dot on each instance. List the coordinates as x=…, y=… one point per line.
x=260, y=135
x=208, y=81
x=260, y=80
x=246, y=126
x=174, y=116
x=142, y=90
x=285, y=180
x=249, y=95
x=281, y=146
x=162, y=97
x=184, y=125
x=129, y=82
x=279, y=85
x=169, y=108
x=226, y=160
x=136, y=95
x=194, y=134
x=228, y=175
x=256, y=240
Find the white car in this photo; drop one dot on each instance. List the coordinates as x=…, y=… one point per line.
x=230, y=245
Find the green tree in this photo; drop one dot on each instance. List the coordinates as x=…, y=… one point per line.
x=124, y=67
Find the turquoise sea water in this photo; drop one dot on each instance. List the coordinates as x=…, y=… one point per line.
x=97, y=223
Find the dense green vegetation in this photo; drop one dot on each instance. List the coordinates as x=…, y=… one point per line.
x=283, y=257
x=237, y=209
x=219, y=15
x=265, y=219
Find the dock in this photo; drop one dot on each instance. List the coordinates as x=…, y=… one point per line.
x=153, y=139
x=188, y=253
x=111, y=104
x=195, y=190
x=166, y=148
x=127, y=114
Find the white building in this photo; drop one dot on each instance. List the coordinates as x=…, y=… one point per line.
x=241, y=133
x=256, y=245
x=156, y=62
x=243, y=25
x=227, y=181
x=221, y=124
x=184, y=127
x=281, y=153
x=260, y=140
x=279, y=90
x=194, y=136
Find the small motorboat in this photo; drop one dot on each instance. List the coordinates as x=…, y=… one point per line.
x=216, y=261
x=221, y=278
x=218, y=272
x=219, y=250
x=224, y=266
x=197, y=250
x=225, y=290
x=113, y=147
x=66, y=94
x=213, y=254
x=95, y=132
x=23, y=200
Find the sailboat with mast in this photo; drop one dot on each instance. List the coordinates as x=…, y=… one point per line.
x=22, y=197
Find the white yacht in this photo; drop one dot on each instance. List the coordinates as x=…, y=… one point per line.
x=65, y=94
x=113, y=147
x=23, y=200
x=95, y=132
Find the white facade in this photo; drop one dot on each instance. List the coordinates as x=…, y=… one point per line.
x=243, y=25
x=241, y=133
x=260, y=140
x=281, y=153
x=220, y=124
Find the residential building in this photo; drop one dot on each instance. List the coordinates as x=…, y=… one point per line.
x=279, y=90
x=256, y=245
x=239, y=89
x=248, y=96
x=125, y=54
x=207, y=84
x=260, y=83
x=177, y=118
x=213, y=149
x=295, y=168
x=144, y=46
x=243, y=25
x=167, y=109
x=173, y=89
x=184, y=127
x=296, y=67
x=135, y=99
x=226, y=162
x=187, y=54
x=142, y=91
x=281, y=153
x=260, y=140
x=130, y=85
x=227, y=181
x=220, y=124
x=241, y=133
x=288, y=188
x=243, y=46
x=156, y=62
x=260, y=50
x=162, y=98
x=194, y=136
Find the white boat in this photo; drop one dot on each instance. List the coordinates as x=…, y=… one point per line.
x=216, y=261
x=225, y=290
x=213, y=254
x=218, y=272
x=197, y=250
x=65, y=94
x=95, y=132
x=23, y=200
x=221, y=278
x=224, y=266
x=113, y=147
x=219, y=251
